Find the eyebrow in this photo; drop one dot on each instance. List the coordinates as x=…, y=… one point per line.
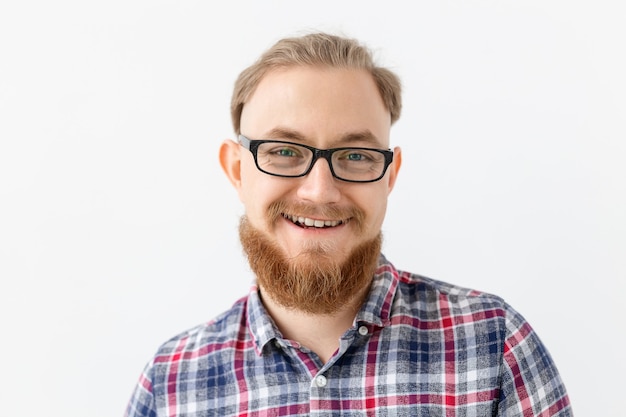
x=364, y=136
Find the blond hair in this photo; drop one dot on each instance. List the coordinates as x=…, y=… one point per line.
x=316, y=49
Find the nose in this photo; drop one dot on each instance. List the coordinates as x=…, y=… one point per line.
x=319, y=185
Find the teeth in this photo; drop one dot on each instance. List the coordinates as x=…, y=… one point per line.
x=312, y=222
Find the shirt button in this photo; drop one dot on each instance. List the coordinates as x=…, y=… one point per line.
x=363, y=330
x=321, y=381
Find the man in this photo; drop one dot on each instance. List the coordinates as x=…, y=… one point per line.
x=330, y=326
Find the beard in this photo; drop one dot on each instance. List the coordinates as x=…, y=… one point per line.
x=313, y=282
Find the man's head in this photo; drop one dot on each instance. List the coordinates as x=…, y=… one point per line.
x=312, y=227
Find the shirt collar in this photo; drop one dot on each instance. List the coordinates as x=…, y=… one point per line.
x=260, y=324
x=376, y=309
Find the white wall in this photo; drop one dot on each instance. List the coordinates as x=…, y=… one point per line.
x=118, y=229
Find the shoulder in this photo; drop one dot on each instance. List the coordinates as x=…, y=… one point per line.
x=197, y=348
x=205, y=338
x=442, y=304
x=485, y=324
x=416, y=290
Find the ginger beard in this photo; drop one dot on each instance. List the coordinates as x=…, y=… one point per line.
x=313, y=282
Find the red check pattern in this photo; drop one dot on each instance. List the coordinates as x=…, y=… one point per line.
x=418, y=347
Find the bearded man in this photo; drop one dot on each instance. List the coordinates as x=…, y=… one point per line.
x=330, y=326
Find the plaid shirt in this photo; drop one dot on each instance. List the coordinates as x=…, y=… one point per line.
x=418, y=347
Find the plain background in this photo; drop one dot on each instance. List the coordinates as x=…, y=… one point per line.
x=118, y=229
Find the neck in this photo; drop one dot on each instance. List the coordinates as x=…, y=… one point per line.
x=318, y=332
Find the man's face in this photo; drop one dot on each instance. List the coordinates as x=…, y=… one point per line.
x=324, y=108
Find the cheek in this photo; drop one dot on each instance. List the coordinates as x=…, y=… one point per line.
x=380, y=214
x=252, y=182
x=257, y=192
x=375, y=209
x=253, y=199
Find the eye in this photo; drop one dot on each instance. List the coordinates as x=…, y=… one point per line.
x=285, y=152
x=355, y=157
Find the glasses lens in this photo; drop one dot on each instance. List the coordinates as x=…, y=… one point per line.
x=283, y=158
x=355, y=164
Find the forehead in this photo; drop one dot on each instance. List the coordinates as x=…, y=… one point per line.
x=320, y=104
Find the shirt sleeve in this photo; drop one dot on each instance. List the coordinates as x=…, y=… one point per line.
x=142, y=402
x=530, y=382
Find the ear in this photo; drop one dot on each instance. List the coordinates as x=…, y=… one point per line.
x=394, y=168
x=230, y=160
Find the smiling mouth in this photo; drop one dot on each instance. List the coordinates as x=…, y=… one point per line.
x=307, y=222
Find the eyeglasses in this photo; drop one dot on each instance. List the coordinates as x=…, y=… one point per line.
x=287, y=159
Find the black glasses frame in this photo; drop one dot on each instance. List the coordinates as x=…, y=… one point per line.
x=253, y=146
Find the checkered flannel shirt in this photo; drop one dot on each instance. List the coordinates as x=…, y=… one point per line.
x=418, y=347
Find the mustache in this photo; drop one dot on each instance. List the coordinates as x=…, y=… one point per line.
x=326, y=211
